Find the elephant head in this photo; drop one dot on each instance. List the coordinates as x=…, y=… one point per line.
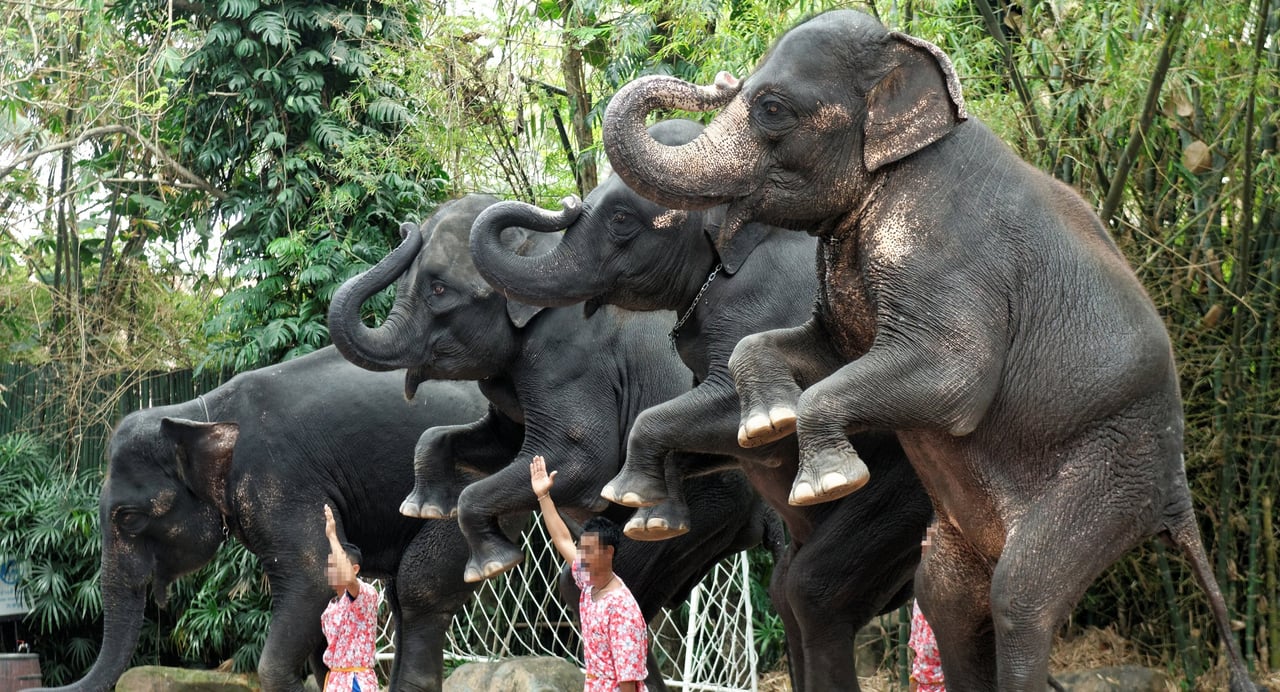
x=618, y=247
x=446, y=321
x=801, y=142
x=161, y=509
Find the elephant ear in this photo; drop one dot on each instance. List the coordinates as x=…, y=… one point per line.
x=526, y=243
x=204, y=457
x=735, y=251
x=917, y=103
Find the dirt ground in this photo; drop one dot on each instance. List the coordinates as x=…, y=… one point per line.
x=1092, y=649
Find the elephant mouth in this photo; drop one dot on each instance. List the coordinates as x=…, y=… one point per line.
x=412, y=378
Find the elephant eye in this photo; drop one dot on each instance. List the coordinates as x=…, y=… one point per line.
x=132, y=521
x=619, y=217
x=774, y=116
x=437, y=289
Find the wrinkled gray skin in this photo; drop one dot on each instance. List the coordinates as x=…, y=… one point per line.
x=311, y=431
x=969, y=302
x=848, y=560
x=576, y=384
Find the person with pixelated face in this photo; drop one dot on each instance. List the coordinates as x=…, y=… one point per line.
x=614, y=634
x=350, y=621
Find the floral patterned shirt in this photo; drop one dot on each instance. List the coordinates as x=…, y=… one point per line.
x=926, y=669
x=350, y=626
x=615, y=639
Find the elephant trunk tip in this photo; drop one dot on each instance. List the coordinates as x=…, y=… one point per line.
x=725, y=81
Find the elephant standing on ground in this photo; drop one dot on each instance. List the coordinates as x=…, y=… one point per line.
x=313, y=431
x=968, y=302
x=848, y=560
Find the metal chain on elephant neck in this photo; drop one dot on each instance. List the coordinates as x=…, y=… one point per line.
x=689, y=313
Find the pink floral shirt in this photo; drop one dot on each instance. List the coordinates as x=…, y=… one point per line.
x=615, y=638
x=926, y=669
x=350, y=626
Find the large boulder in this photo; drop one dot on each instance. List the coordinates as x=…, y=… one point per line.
x=521, y=674
x=1116, y=679
x=165, y=679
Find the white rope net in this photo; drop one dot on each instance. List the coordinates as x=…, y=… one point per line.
x=705, y=645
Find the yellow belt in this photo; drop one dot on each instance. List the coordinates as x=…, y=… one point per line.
x=341, y=670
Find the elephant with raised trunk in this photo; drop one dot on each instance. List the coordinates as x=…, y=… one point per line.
x=575, y=384
x=257, y=459
x=848, y=560
x=968, y=302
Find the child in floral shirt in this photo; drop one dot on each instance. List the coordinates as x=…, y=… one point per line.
x=614, y=635
x=350, y=621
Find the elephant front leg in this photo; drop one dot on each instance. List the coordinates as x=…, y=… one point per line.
x=768, y=370
x=293, y=636
x=483, y=503
x=667, y=519
x=483, y=445
x=701, y=420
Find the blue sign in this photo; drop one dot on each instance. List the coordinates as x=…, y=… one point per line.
x=11, y=602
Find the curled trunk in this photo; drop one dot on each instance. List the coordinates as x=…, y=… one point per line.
x=714, y=168
x=382, y=348
x=553, y=279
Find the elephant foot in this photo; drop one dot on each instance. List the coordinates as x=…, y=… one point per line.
x=658, y=523
x=425, y=504
x=491, y=559
x=761, y=429
x=828, y=475
x=631, y=488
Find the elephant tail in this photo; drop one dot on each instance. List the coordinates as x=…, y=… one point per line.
x=1183, y=532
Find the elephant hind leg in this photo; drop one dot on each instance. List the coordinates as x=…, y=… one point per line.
x=953, y=588
x=1050, y=557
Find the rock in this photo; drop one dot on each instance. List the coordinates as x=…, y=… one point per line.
x=520, y=674
x=164, y=679
x=1117, y=679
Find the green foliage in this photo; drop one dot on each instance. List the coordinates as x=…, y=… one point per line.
x=281, y=109
x=49, y=521
x=770, y=639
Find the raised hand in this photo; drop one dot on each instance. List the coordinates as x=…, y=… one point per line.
x=330, y=526
x=539, y=480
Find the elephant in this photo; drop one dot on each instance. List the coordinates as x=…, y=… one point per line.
x=176, y=490
x=968, y=301
x=575, y=383
x=253, y=458
x=848, y=560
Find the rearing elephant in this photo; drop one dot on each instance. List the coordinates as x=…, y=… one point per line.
x=575, y=384
x=848, y=560
x=968, y=302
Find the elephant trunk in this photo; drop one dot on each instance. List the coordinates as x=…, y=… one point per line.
x=713, y=169
x=553, y=279
x=123, y=607
x=382, y=348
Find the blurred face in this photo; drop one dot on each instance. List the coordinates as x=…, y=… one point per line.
x=331, y=571
x=928, y=540
x=596, y=558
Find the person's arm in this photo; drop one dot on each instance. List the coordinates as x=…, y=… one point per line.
x=541, y=484
x=628, y=686
x=346, y=573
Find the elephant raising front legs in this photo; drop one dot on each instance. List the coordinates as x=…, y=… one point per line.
x=767, y=368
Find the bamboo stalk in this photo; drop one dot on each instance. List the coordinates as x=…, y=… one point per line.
x=1187, y=652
